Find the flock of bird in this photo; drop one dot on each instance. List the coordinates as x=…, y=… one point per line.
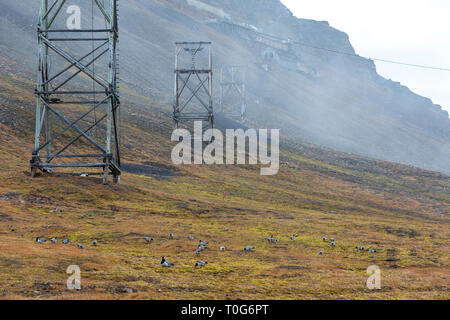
x=203, y=245
x=65, y=241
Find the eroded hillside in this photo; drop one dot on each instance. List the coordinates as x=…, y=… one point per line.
x=317, y=96
x=400, y=211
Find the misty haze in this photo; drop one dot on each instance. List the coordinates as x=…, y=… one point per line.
x=89, y=190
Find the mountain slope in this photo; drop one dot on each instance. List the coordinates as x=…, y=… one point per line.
x=327, y=99
x=399, y=210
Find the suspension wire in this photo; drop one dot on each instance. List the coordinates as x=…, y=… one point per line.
x=352, y=54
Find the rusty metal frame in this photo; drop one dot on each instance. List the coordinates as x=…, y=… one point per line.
x=48, y=95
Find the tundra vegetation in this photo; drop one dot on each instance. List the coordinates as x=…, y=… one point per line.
x=400, y=211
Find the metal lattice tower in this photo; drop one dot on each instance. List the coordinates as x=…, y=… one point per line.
x=77, y=97
x=193, y=79
x=232, y=87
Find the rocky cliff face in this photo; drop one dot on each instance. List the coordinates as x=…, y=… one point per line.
x=328, y=99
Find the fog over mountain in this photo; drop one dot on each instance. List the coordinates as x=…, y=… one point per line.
x=318, y=96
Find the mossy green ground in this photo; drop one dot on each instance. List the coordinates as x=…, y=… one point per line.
x=400, y=211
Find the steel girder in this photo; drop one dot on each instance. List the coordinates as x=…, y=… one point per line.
x=232, y=85
x=53, y=89
x=193, y=83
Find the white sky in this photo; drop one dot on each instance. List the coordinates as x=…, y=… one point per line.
x=412, y=31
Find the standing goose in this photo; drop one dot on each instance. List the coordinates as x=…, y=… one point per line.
x=203, y=243
x=54, y=240
x=201, y=264
x=171, y=236
x=293, y=237
x=165, y=263
x=148, y=239
x=272, y=239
